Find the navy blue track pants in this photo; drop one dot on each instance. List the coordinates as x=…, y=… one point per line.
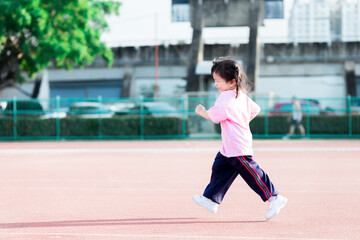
x=225, y=170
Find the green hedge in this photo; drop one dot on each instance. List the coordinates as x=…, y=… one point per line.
x=319, y=124
x=80, y=127
x=129, y=126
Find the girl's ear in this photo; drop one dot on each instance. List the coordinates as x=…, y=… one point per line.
x=233, y=82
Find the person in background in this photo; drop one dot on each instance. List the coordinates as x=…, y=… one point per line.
x=295, y=119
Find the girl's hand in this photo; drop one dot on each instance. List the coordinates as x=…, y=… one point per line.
x=202, y=111
x=199, y=109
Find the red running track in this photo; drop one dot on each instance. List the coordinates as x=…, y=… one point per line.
x=142, y=190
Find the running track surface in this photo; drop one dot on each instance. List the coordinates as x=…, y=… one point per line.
x=142, y=190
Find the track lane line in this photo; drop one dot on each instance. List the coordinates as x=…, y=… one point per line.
x=163, y=236
x=167, y=150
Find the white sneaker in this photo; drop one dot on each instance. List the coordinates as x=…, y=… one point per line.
x=206, y=203
x=275, y=206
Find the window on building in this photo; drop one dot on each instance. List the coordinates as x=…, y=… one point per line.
x=274, y=9
x=86, y=89
x=180, y=11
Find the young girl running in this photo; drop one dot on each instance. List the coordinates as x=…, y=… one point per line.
x=234, y=110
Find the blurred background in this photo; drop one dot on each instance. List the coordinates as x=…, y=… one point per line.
x=136, y=69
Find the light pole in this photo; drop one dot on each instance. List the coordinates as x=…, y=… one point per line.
x=156, y=93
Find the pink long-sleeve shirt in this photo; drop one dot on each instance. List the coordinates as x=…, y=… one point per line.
x=234, y=115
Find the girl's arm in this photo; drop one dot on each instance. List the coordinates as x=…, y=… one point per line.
x=202, y=112
x=255, y=109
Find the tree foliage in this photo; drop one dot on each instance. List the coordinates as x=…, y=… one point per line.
x=35, y=34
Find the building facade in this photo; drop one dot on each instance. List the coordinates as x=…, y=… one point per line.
x=324, y=21
x=307, y=70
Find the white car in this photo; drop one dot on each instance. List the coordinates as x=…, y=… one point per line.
x=90, y=110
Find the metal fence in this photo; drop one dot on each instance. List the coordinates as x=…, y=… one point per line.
x=151, y=118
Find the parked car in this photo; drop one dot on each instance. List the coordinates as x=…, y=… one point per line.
x=307, y=107
x=90, y=110
x=125, y=108
x=160, y=109
x=61, y=113
x=156, y=109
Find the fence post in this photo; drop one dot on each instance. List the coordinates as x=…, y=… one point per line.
x=267, y=118
x=100, y=118
x=14, y=118
x=58, y=117
x=350, y=118
x=141, y=117
x=185, y=109
x=307, y=118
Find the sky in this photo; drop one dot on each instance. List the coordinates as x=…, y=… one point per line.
x=148, y=22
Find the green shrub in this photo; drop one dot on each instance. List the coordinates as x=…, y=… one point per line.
x=82, y=127
x=121, y=126
x=33, y=127
x=128, y=126
x=6, y=127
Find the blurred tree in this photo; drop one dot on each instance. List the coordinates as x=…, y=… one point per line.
x=35, y=34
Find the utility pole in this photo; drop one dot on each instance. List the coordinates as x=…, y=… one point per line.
x=253, y=54
x=350, y=78
x=156, y=53
x=197, y=23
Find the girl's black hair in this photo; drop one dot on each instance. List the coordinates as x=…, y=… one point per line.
x=229, y=69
